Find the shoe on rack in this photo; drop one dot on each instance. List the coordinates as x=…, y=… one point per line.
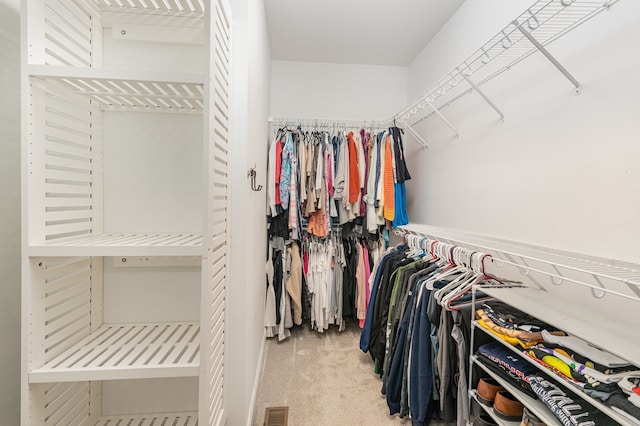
x=484, y=419
x=487, y=389
x=529, y=419
x=507, y=407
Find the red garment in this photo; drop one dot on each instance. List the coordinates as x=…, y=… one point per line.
x=354, y=173
x=278, y=170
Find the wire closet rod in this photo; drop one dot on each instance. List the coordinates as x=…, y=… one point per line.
x=327, y=123
x=337, y=124
x=560, y=270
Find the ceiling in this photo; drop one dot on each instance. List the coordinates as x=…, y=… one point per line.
x=375, y=32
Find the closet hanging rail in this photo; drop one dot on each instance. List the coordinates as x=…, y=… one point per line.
x=601, y=276
x=310, y=123
x=324, y=124
x=542, y=23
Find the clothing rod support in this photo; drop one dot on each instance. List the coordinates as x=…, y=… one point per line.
x=484, y=96
x=550, y=57
x=443, y=118
x=416, y=136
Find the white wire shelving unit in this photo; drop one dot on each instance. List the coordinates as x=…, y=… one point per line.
x=589, y=297
x=596, y=403
x=530, y=32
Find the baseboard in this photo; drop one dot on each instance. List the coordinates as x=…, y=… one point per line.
x=256, y=380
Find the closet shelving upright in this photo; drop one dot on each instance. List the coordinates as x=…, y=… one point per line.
x=552, y=281
x=531, y=32
x=125, y=210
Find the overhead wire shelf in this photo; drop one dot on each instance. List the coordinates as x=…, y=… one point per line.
x=602, y=276
x=542, y=23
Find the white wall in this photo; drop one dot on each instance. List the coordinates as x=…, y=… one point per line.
x=10, y=212
x=251, y=62
x=336, y=91
x=561, y=171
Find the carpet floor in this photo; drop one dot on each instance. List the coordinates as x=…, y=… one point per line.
x=324, y=379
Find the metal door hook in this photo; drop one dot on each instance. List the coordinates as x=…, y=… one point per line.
x=252, y=175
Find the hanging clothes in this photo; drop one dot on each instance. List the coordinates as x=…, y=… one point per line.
x=294, y=283
x=417, y=344
x=328, y=196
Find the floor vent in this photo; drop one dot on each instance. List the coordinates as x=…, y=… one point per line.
x=276, y=416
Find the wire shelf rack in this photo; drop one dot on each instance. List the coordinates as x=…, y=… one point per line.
x=602, y=276
x=542, y=23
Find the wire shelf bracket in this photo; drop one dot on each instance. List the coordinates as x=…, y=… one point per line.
x=422, y=141
x=549, y=56
x=484, y=96
x=443, y=118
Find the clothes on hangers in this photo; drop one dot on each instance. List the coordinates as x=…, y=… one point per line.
x=338, y=178
x=318, y=181
x=416, y=340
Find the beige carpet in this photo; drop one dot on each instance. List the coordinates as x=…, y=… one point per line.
x=324, y=379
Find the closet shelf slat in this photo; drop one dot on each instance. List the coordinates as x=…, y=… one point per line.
x=122, y=245
x=183, y=419
x=126, y=351
x=129, y=90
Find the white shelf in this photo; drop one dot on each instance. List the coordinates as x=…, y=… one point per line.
x=489, y=410
x=559, y=380
x=186, y=8
x=127, y=351
x=123, y=245
x=536, y=406
x=586, y=324
x=116, y=90
x=182, y=419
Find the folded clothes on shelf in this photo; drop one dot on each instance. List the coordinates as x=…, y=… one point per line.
x=507, y=316
x=511, y=325
x=507, y=365
x=568, y=357
x=585, y=349
x=568, y=410
x=610, y=393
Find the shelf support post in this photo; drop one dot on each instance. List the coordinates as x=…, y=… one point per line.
x=550, y=57
x=484, y=96
x=443, y=118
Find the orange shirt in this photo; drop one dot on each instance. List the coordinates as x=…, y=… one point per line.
x=388, y=184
